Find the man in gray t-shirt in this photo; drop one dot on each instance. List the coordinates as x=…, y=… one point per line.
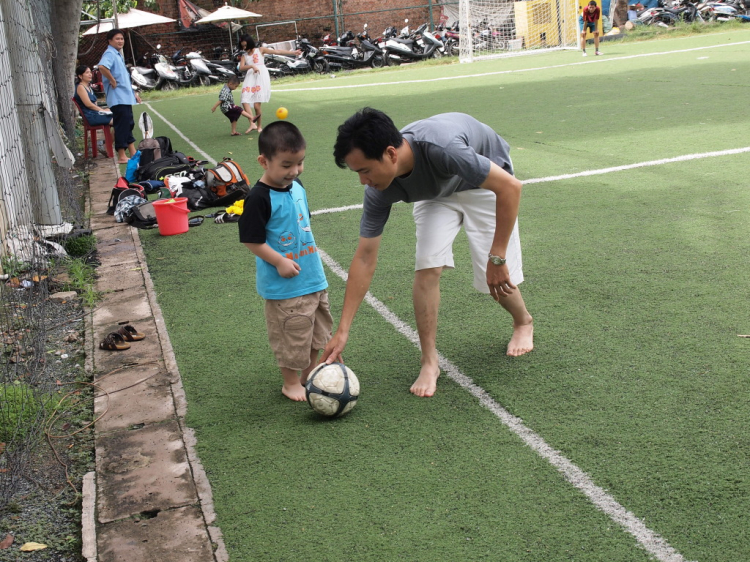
x=457, y=172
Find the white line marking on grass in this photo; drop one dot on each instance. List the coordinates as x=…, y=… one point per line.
x=648, y=539
x=599, y=60
x=600, y=171
x=187, y=140
x=684, y=158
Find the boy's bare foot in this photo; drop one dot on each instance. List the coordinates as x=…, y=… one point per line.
x=522, y=341
x=426, y=382
x=122, y=161
x=296, y=392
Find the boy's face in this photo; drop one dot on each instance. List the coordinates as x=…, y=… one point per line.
x=591, y=8
x=232, y=85
x=281, y=170
x=375, y=173
x=118, y=41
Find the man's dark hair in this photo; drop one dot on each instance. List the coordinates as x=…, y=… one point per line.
x=280, y=136
x=112, y=32
x=369, y=130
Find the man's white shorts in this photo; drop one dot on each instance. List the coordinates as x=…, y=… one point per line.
x=438, y=222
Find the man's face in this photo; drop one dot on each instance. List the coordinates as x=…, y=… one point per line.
x=375, y=173
x=118, y=41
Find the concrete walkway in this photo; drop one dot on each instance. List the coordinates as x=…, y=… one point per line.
x=150, y=499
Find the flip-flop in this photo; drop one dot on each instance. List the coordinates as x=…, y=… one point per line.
x=129, y=333
x=236, y=134
x=257, y=117
x=114, y=342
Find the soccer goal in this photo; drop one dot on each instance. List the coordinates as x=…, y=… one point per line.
x=498, y=28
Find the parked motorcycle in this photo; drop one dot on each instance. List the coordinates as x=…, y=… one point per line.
x=420, y=45
x=366, y=53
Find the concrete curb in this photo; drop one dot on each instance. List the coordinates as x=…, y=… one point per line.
x=150, y=498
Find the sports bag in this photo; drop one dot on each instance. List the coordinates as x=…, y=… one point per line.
x=142, y=215
x=122, y=185
x=165, y=166
x=226, y=174
x=150, y=150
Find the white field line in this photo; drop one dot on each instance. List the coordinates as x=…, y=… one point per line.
x=647, y=539
x=598, y=60
x=600, y=171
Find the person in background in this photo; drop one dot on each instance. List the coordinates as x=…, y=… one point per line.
x=120, y=95
x=86, y=99
x=256, y=89
x=228, y=108
x=591, y=15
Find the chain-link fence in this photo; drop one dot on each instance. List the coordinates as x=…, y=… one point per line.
x=41, y=205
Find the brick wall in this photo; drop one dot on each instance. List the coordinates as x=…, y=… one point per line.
x=314, y=18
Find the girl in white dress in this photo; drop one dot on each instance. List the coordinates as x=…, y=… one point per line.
x=256, y=88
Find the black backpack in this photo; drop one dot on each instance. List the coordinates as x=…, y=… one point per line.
x=154, y=149
x=175, y=163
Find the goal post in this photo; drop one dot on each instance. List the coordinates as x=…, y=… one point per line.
x=500, y=28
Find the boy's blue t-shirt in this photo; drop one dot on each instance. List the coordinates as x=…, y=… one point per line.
x=281, y=218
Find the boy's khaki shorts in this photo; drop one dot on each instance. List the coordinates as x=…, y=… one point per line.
x=297, y=326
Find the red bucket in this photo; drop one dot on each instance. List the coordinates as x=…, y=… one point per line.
x=172, y=215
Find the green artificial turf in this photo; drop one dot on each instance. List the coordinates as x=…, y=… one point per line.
x=637, y=280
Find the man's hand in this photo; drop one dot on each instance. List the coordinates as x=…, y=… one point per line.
x=137, y=97
x=498, y=280
x=334, y=348
x=288, y=268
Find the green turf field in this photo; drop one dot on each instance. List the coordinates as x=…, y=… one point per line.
x=637, y=280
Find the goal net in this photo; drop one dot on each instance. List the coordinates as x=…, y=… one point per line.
x=497, y=28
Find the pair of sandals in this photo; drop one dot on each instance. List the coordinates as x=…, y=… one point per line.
x=119, y=340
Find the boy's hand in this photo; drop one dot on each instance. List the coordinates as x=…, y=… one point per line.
x=213, y=109
x=288, y=268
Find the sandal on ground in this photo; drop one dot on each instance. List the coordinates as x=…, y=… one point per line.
x=257, y=117
x=114, y=342
x=129, y=333
x=236, y=134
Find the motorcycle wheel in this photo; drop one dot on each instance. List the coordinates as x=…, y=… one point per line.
x=204, y=80
x=392, y=61
x=378, y=61
x=454, y=49
x=437, y=54
x=320, y=66
x=169, y=85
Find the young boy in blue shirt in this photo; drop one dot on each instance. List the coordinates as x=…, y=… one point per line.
x=275, y=226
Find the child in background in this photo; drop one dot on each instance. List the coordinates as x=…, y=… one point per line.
x=226, y=100
x=591, y=14
x=275, y=226
x=256, y=88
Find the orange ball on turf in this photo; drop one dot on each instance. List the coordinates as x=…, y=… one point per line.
x=282, y=113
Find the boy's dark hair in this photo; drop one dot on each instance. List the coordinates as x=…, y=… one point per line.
x=112, y=32
x=234, y=79
x=280, y=136
x=369, y=130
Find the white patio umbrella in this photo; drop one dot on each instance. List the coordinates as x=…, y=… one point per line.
x=133, y=18
x=228, y=13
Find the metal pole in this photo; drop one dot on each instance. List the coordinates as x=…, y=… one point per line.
x=432, y=21
x=335, y=20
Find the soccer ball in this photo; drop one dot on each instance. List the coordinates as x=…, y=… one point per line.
x=332, y=390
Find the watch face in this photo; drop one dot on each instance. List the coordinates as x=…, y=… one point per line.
x=497, y=261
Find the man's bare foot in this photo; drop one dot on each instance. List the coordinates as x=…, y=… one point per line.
x=296, y=392
x=522, y=341
x=426, y=382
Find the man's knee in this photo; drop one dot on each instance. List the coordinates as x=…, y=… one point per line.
x=427, y=277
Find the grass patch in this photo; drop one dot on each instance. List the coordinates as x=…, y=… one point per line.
x=82, y=280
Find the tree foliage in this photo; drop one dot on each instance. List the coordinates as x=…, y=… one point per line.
x=103, y=8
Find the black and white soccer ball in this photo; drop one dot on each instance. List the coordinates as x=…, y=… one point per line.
x=332, y=390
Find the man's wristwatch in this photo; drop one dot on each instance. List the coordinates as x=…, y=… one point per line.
x=497, y=260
